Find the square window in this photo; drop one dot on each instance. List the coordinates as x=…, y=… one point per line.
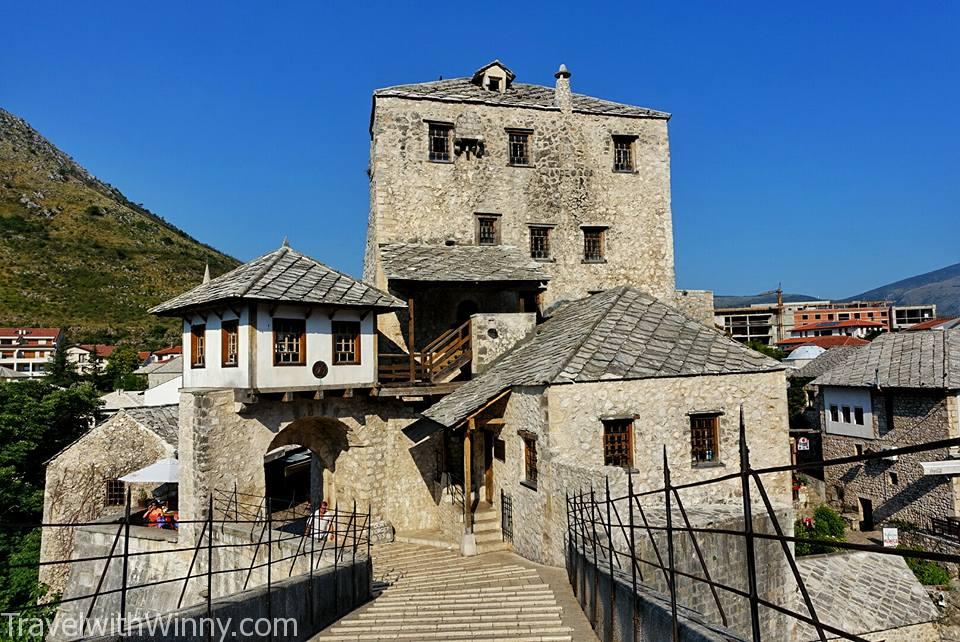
x=198, y=345
x=618, y=443
x=623, y=153
x=858, y=416
x=488, y=230
x=519, y=143
x=539, y=242
x=894, y=479
x=859, y=449
x=439, y=141
x=704, y=438
x=116, y=493
x=346, y=343
x=493, y=83
x=289, y=342
x=530, y=460
x=846, y=414
x=593, y=244
x=229, y=344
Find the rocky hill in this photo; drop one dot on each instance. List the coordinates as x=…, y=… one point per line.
x=76, y=253
x=941, y=287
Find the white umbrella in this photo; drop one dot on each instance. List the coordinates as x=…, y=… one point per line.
x=163, y=471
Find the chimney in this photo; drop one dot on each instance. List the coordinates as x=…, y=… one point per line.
x=562, y=96
x=206, y=273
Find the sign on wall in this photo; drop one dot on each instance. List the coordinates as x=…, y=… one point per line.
x=803, y=443
x=891, y=537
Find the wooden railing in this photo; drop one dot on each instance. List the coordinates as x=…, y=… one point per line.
x=439, y=359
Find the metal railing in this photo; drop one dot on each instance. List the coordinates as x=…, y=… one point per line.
x=948, y=528
x=596, y=522
x=506, y=516
x=346, y=533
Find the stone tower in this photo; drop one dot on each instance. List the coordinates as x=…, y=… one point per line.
x=578, y=185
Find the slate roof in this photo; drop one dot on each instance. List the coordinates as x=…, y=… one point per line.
x=164, y=421
x=940, y=323
x=618, y=334
x=863, y=592
x=415, y=262
x=171, y=366
x=8, y=373
x=283, y=275
x=925, y=359
x=823, y=342
x=825, y=362
x=463, y=90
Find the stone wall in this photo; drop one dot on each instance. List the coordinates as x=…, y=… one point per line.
x=566, y=420
x=494, y=334
x=696, y=304
x=570, y=183
x=75, y=490
x=897, y=489
x=369, y=446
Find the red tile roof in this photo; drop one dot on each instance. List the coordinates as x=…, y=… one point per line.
x=930, y=323
x=848, y=323
x=823, y=342
x=170, y=350
x=30, y=332
x=102, y=349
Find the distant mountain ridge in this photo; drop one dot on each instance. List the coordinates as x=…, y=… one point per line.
x=941, y=287
x=737, y=301
x=77, y=253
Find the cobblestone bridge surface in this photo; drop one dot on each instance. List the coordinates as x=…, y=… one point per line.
x=433, y=594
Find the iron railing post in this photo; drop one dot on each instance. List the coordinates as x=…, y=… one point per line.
x=269, y=507
x=613, y=586
x=353, y=556
x=672, y=576
x=748, y=531
x=703, y=562
x=103, y=576
x=633, y=558
x=209, y=528
x=126, y=563
x=596, y=562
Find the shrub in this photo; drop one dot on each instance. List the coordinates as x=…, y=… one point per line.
x=825, y=526
x=927, y=572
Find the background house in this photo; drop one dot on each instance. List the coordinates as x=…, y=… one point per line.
x=28, y=350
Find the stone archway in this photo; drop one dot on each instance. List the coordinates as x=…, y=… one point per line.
x=326, y=439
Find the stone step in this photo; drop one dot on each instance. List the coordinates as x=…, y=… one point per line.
x=480, y=637
x=496, y=592
x=526, y=616
x=519, y=633
x=493, y=547
x=548, y=606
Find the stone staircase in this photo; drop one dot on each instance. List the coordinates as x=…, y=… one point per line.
x=432, y=594
x=486, y=529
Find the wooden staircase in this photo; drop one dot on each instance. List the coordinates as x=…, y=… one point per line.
x=440, y=361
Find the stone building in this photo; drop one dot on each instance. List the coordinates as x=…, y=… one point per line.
x=83, y=480
x=602, y=387
x=900, y=390
x=484, y=190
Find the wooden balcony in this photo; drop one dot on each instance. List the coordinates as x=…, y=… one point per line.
x=437, y=363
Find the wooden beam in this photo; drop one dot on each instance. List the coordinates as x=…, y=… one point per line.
x=410, y=336
x=468, y=477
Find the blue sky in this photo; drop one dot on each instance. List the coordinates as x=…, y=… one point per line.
x=813, y=144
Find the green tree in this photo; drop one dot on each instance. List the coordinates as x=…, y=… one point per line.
x=824, y=527
x=770, y=351
x=927, y=572
x=119, y=371
x=37, y=420
x=94, y=372
x=60, y=371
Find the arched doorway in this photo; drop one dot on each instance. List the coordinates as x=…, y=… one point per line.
x=301, y=462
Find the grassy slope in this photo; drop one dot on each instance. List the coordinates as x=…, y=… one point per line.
x=76, y=253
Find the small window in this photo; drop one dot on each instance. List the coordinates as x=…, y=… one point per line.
x=846, y=414
x=499, y=449
x=618, y=443
x=539, y=242
x=858, y=416
x=704, y=438
x=835, y=413
x=530, y=460
x=346, y=343
x=894, y=479
x=198, y=345
x=229, y=344
x=440, y=135
x=493, y=83
x=519, y=148
x=116, y=492
x=593, y=244
x=858, y=449
x=289, y=342
x=488, y=230
x=623, y=153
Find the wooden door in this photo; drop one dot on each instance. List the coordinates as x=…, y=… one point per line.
x=488, y=439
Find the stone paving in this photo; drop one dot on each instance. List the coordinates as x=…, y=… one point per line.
x=433, y=594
